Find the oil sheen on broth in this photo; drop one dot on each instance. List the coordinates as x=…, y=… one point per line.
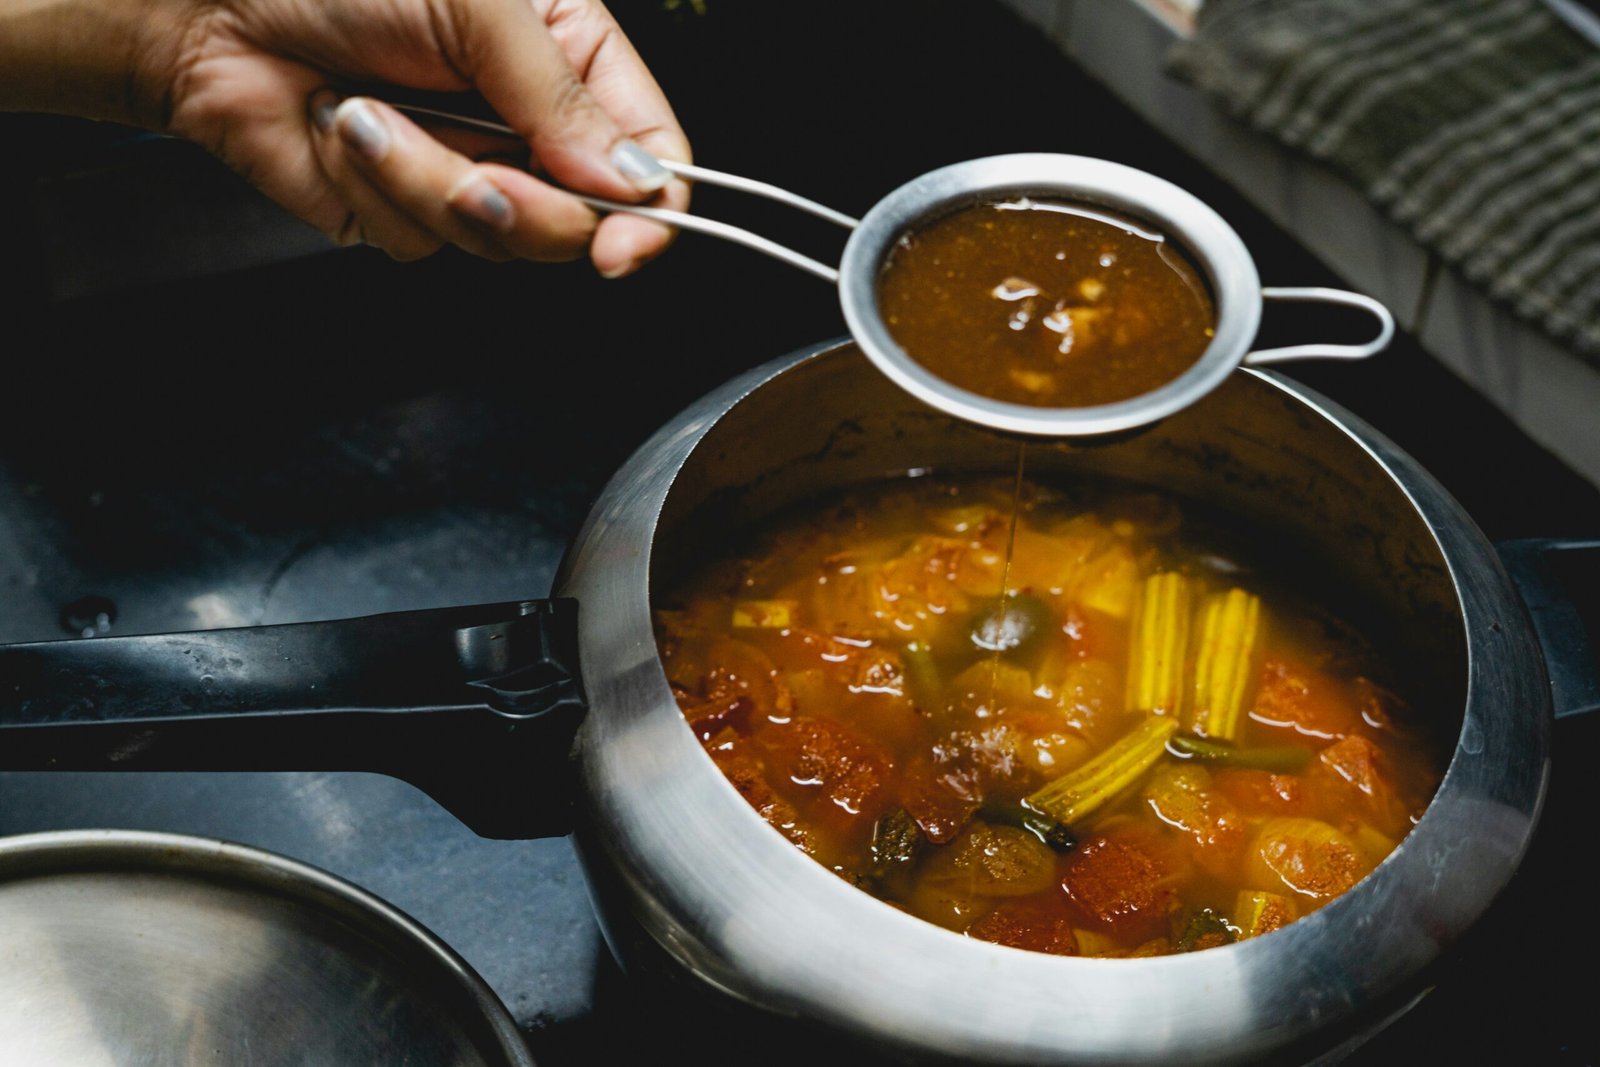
x=1169, y=751
x=1046, y=304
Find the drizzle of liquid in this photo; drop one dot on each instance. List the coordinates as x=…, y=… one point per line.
x=1005, y=571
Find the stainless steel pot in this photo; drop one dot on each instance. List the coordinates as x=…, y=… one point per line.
x=490, y=698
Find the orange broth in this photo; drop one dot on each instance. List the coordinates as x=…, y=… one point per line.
x=849, y=674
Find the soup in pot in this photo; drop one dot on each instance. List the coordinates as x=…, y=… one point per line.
x=1145, y=746
x=1046, y=304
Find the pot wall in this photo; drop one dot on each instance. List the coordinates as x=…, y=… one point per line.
x=736, y=906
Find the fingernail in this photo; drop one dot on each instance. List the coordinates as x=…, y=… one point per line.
x=362, y=129
x=621, y=270
x=476, y=198
x=324, y=103
x=643, y=171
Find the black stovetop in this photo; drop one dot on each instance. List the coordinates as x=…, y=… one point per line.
x=342, y=435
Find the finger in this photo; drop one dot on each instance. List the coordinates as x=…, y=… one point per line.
x=505, y=49
x=624, y=243
x=620, y=82
x=615, y=75
x=372, y=217
x=489, y=210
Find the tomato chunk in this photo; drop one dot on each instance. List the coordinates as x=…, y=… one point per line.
x=746, y=775
x=1028, y=925
x=1261, y=792
x=941, y=805
x=1303, y=699
x=1125, y=883
x=842, y=770
x=1350, y=775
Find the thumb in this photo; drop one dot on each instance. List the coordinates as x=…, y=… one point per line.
x=508, y=53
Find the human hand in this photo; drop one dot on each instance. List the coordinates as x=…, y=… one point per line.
x=257, y=82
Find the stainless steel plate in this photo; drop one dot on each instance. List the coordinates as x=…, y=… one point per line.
x=126, y=949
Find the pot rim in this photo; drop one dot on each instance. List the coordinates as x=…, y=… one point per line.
x=691, y=852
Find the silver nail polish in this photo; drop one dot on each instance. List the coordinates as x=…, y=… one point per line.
x=643, y=171
x=362, y=130
x=323, y=106
x=478, y=199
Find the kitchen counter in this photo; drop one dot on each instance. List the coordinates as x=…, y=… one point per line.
x=327, y=434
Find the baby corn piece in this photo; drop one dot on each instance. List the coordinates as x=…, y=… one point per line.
x=1224, y=665
x=1160, y=643
x=1256, y=913
x=1073, y=796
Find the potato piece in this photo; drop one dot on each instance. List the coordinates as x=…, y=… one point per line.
x=741, y=686
x=1256, y=912
x=764, y=614
x=948, y=905
x=1050, y=564
x=1090, y=698
x=1182, y=797
x=975, y=520
x=1109, y=583
x=993, y=861
x=992, y=685
x=917, y=589
x=1306, y=856
x=1055, y=753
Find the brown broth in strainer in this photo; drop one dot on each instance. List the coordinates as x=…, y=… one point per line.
x=1153, y=749
x=1045, y=304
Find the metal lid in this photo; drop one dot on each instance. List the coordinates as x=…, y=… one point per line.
x=124, y=948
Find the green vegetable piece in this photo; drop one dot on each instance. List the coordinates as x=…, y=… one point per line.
x=1009, y=813
x=1206, y=929
x=1078, y=793
x=896, y=839
x=1013, y=627
x=1052, y=833
x=1279, y=759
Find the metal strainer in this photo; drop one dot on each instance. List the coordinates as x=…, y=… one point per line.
x=1209, y=241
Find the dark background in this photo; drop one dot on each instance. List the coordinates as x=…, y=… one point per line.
x=338, y=434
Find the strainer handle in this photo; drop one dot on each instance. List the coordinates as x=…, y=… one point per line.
x=1319, y=295
x=681, y=219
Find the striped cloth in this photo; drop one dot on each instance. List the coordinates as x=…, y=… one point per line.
x=1474, y=123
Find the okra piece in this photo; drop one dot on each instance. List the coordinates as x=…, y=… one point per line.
x=1072, y=797
x=1256, y=913
x=1224, y=665
x=1279, y=759
x=1160, y=644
